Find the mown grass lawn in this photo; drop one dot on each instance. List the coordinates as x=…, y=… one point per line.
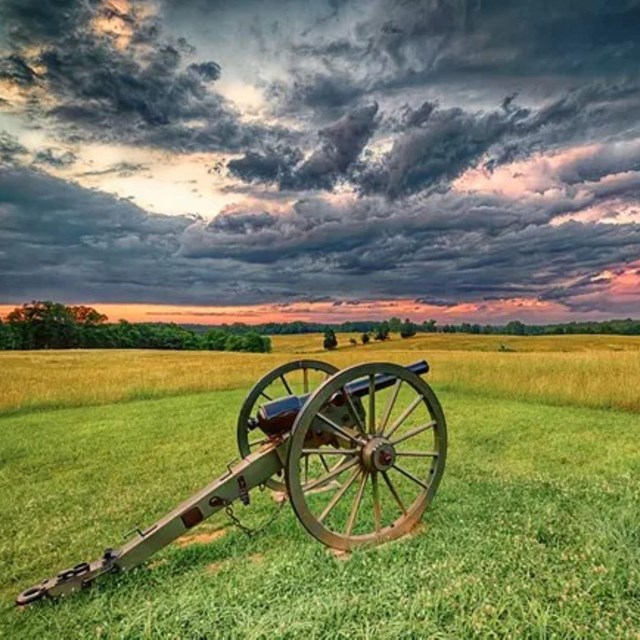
x=535, y=531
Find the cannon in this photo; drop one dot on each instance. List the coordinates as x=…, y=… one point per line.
x=359, y=453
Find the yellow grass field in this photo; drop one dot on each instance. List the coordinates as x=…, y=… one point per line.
x=595, y=371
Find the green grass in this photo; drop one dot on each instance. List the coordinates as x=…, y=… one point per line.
x=534, y=533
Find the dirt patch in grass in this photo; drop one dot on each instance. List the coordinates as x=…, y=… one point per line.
x=201, y=538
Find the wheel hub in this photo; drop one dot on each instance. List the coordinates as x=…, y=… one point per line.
x=378, y=454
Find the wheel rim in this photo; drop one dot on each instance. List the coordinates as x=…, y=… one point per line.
x=299, y=376
x=392, y=454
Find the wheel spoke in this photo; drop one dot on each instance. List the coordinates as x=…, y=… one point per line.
x=336, y=471
x=418, y=454
x=376, y=501
x=337, y=428
x=390, y=403
x=405, y=414
x=372, y=404
x=413, y=432
x=305, y=380
x=353, y=411
x=338, y=495
x=266, y=395
x=330, y=452
x=406, y=474
x=356, y=504
x=286, y=385
x=324, y=462
x=394, y=493
x=306, y=469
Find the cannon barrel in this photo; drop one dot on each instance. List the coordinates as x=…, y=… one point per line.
x=381, y=381
x=359, y=388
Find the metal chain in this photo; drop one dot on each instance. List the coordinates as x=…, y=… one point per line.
x=251, y=531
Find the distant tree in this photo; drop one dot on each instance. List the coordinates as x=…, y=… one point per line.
x=395, y=324
x=87, y=316
x=365, y=338
x=515, y=328
x=44, y=325
x=233, y=343
x=382, y=331
x=353, y=342
x=214, y=340
x=408, y=329
x=255, y=343
x=429, y=326
x=330, y=341
x=9, y=337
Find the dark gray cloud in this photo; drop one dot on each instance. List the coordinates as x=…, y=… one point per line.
x=15, y=68
x=272, y=165
x=341, y=143
x=121, y=169
x=142, y=94
x=445, y=247
x=57, y=158
x=37, y=21
x=431, y=145
x=108, y=94
x=404, y=44
x=62, y=241
x=436, y=146
x=10, y=149
x=59, y=240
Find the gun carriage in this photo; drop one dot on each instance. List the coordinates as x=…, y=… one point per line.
x=359, y=453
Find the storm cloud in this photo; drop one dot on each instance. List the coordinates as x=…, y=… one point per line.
x=442, y=151
x=141, y=93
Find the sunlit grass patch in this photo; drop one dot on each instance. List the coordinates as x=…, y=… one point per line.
x=582, y=370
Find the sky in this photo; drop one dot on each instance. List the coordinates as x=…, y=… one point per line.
x=261, y=160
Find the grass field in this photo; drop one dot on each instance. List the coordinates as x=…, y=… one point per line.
x=594, y=371
x=535, y=531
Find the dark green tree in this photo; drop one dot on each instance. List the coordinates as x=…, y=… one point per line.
x=44, y=325
x=395, y=324
x=214, y=340
x=429, y=326
x=330, y=341
x=515, y=328
x=382, y=331
x=408, y=329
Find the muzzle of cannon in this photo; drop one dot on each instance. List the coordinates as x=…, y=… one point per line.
x=359, y=453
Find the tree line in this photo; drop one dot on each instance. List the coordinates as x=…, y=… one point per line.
x=52, y=325
x=407, y=327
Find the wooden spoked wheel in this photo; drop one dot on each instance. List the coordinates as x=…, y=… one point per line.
x=299, y=377
x=390, y=445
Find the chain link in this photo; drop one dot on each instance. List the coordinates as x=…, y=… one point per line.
x=253, y=531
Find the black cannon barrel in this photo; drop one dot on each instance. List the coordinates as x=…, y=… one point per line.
x=359, y=388
x=381, y=381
